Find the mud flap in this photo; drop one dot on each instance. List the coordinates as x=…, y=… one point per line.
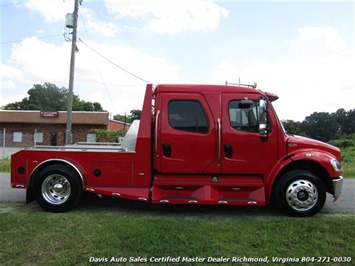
x=30, y=196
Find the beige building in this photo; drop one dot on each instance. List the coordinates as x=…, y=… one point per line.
x=27, y=128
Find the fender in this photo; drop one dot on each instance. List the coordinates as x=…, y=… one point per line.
x=40, y=166
x=317, y=156
x=323, y=159
x=272, y=173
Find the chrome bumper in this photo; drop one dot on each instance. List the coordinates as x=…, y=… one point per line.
x=337, y=185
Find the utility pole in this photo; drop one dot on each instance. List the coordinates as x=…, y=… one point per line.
x=68, y=132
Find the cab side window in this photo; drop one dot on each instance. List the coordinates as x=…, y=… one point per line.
x=242, y=117
x=187, y=115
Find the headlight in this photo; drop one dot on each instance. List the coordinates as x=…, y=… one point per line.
x=336, y=165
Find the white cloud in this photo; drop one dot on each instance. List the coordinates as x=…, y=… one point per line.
x=170, y=17
x=7, y=84
x=52, y=11
x=9, y=72
x=38, y=60
x=93, y=25
x=55, y=11
x=326, y=35
x=9, y=75
x=164, y=17
x=228, y=71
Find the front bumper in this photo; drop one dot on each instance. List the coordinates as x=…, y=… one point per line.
x=337, y=185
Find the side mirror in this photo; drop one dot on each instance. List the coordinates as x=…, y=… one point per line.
x=262, y=129
x=262, y=111
x=263, y=119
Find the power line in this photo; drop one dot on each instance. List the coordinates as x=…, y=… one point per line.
x=20, y=40
x=109, y=96
x=113, y=63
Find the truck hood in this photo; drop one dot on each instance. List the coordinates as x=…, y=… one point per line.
x=303, y=143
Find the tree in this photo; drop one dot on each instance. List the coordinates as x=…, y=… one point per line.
x=346, y=121
x=46, y=97
x=321, y=126
x=349, y=124
x=293, y=127
x=340, y=117
x=134, y=115
x=49, y=97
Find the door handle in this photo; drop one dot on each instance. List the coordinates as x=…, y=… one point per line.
x=228, y=150
x=156, y=133
x=166, y=150
x=219, y=141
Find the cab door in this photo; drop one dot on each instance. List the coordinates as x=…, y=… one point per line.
x=243, y=150
x=186, y=141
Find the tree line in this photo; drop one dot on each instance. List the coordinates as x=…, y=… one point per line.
x=49, y=97
x=324, y=126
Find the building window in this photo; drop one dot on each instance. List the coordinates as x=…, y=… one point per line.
x=91, y=137
x=38, y=137
x=17, y=137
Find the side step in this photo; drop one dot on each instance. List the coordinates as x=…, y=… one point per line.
x=133, y=193
x=233, y=194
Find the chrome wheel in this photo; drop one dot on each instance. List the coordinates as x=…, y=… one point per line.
x=301, y=195
x=56, y=189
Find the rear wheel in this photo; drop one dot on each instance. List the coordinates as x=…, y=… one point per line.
x=300, y=193
x=58, y=188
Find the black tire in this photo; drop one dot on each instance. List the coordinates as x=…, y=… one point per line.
x=299, y=193
x=58, y=188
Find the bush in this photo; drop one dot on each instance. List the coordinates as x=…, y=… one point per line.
x=4, y=165
x=103, y=135
x=342, y=143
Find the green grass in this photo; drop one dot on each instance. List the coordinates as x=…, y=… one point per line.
x=30, y=236
x=5, y=165
x=348, y=161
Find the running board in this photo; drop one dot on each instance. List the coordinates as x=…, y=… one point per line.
x=241, y=194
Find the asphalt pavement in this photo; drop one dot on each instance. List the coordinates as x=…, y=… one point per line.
x=7, y=193
x=345, y=204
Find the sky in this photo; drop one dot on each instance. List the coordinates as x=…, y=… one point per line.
x=302, y=51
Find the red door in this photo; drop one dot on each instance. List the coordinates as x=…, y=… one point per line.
x=187, y=141
x=242, y=149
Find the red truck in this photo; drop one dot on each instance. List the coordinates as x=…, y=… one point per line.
x=194, y=144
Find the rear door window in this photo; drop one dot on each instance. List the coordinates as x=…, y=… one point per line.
x=188, y=115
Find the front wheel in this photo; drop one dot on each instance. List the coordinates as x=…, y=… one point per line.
x=58, y=188
x=299, y=193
